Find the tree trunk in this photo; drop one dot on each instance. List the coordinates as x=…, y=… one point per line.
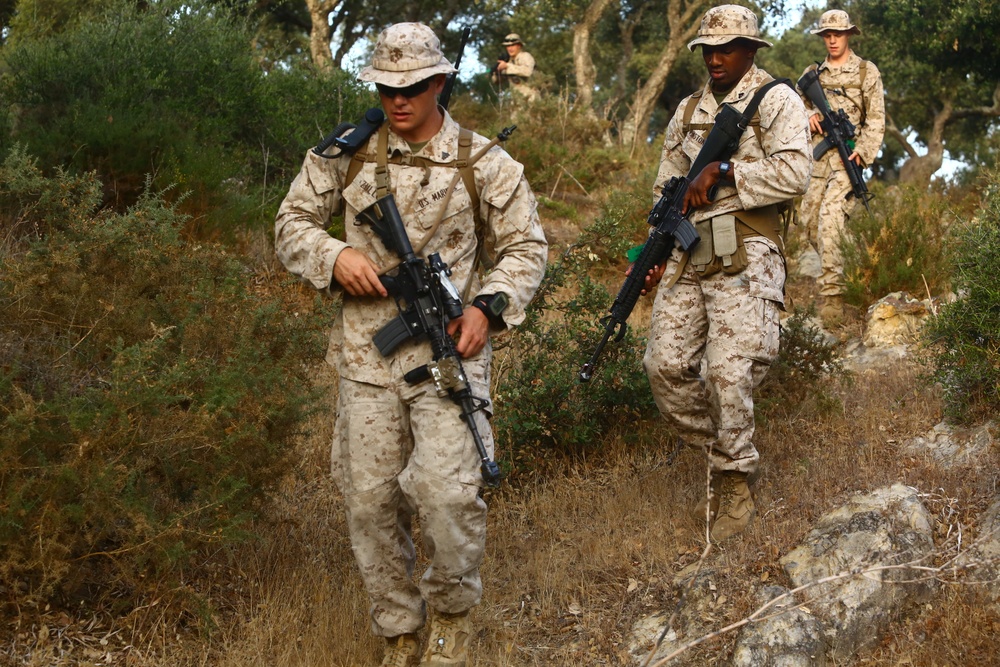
x=583, y=64
x=319, y=35
x=682, y=24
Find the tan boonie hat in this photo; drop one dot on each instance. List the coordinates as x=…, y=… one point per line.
x=836, y=19
x=406, y=53
x=724, y=23
x=511, y=39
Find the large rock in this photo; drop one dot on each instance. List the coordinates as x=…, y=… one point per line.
x=788, y=635
x=888, y=527
x=896, y=319
x=952, y=446
x=982, y=559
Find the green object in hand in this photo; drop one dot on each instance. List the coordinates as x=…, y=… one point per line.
x=633, y=253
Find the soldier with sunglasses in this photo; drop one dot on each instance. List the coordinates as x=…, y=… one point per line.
x=399, y=448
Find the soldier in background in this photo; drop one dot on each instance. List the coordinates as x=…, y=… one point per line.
x=714, y=329
x=854, y=85
x=517, y=70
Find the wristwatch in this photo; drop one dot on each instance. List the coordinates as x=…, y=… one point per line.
x=492, y=306
x=725, y=170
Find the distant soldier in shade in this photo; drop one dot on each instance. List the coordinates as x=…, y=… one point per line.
x=516, y=72
x=854, y=85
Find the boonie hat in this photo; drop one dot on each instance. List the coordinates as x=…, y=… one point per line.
x=724, y=23
x=511, y=39
x=836, y=19
x=406, y=53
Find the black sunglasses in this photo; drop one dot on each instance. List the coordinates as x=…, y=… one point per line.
x=419, y=88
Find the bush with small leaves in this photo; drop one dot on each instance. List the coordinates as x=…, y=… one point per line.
x=965, y=336
x=149, y=393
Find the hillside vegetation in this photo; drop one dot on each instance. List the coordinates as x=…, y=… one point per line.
x=166, y=415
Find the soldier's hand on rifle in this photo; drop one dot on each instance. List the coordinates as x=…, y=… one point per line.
x=701, y=188
x=653, y=277
x=814, y=125
x=855, y=158
x=473, y=329
x=358, y=274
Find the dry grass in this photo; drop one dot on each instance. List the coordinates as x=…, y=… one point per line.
x=576, y=554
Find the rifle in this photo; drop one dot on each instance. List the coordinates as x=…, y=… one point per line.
x=669, y=224
x=427, y=300
x=838, y=133
x=445, y=96
x=369, y=124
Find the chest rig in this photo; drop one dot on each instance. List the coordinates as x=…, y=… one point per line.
x=463, y=162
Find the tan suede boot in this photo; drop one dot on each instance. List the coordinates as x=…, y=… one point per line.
x=736, y=507
x=709, y=502
x=448, y=643
x=401, y=651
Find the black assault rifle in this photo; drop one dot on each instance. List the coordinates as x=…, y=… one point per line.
x=838, y=133
x=427, y=300
x=668, y=221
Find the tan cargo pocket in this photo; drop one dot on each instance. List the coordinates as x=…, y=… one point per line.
x=729, y=250
x=703, y=253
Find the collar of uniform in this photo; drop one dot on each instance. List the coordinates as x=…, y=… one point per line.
x=853, y=64
x=442, y=147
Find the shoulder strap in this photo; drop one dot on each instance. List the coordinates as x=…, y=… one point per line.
x=462, y=163
x=751, y=115
x=863, y=72
x=692, y=104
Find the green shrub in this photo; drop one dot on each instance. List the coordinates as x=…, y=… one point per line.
x=901, y=248
x=545, y=407
x=175, y=91
x=804, y=360
x=562, y=148
x=149, y=395
x=965, y=335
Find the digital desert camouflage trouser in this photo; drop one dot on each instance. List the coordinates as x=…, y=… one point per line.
x=400, y=451
x=824, y=212
x=729, y=322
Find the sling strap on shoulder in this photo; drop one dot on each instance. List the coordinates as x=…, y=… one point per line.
x=751, y=112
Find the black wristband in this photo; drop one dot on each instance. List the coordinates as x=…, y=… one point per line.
x=492, y=306
x=726, y=171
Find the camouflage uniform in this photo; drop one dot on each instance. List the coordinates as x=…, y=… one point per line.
x=826, y=207
x=399, y=449
x=713, y=337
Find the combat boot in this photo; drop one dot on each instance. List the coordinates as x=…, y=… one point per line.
x=709, y=502
x=736, y=507
x=832, y=312
x=401, y=651
x=448, y=643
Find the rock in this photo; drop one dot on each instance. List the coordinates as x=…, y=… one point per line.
x=896, y=319
x=698, y=615
x=889, y=526
x=951, y=445
x=982, y=559
x=868, y=360
x=807, y=262
x=790, y=639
